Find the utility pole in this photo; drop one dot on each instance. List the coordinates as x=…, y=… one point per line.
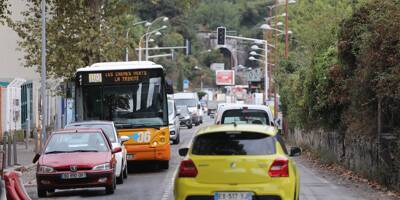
x=287, y=29
x=43, y=75
x=127, y=49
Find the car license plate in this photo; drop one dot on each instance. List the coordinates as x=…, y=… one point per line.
x=73, y=176
x=129, y=156
x=233, y=196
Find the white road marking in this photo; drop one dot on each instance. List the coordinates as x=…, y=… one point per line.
x=170, y=184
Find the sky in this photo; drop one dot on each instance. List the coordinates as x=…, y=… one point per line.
x=10, y=65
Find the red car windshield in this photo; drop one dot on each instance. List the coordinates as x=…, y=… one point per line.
x=77, y=142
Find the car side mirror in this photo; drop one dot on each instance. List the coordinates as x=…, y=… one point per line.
x=124, y=139
x=277, y=122
x=116, y=150
x=295, y=151
x=183, y=151
x=36, y=158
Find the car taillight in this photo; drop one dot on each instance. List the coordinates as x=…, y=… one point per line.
x=187, y=169
x=279, y=168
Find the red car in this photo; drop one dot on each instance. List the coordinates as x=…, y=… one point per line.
x=76, y=158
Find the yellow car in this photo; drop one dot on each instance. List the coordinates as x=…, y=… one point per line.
x=237, y=162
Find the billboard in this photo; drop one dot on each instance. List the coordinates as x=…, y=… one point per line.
x=217, y=66
x=225, y=77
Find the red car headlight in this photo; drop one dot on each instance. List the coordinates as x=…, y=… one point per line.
x=105, y=166
x=45, y=169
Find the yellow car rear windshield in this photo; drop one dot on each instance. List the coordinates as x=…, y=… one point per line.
x=234, y=143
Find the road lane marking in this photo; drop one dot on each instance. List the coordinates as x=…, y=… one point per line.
x=171, y=182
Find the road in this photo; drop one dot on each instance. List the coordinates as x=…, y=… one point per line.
x=149, y=183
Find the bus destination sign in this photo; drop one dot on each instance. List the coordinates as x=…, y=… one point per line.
x=110, y=77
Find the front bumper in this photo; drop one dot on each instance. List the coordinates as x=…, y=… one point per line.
x=189, y=189
x=146, y=152
x=93, y=179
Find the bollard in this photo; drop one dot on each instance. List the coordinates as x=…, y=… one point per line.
x=5, y=146
x=9, y=149
x=15, y=153
x=35, y=138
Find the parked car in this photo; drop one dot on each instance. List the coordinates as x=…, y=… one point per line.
x=245, y=114
x=191, y=100
x=184, y=116
x=76, y=158
x=174, y=122
x=109, y=129
x=239, y=162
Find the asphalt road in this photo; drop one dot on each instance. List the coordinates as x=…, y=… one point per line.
x=149, y=183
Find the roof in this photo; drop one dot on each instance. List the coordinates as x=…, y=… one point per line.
x=4, y=84
x=105, y=66
x=269, y=130
x=91, y=122
x=78, y=130
x=249, y=106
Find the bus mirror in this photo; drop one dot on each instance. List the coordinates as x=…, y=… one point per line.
x=169, y=87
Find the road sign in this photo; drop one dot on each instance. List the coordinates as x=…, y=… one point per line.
x=254, y=75
x=186, y=84
x=225, y=77
x=217, y=66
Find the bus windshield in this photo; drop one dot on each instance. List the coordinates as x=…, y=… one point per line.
x=141, y=103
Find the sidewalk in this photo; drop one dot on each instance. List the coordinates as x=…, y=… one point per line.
x=24, y=156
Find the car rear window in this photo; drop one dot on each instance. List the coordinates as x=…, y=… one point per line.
x=233, y=143
x=240, y=116
x=107, y=128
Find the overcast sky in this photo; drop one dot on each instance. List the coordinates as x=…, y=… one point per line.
x=10, y=66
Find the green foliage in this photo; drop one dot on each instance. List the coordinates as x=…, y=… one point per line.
x=79, y=33
x=337, y=72
x=4, y=11
x=211, y=14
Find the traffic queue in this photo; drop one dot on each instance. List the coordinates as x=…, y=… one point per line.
x=241, y=157
x=91, y=154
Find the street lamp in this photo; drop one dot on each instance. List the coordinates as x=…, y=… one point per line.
x=147, y=35
x=201, y=76
x=273, y=17
x=253, y=53
x=164, y=19
x=146, y=24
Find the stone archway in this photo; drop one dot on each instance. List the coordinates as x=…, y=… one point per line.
x=230, y=57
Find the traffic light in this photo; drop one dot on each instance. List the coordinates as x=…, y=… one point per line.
x=221, y=35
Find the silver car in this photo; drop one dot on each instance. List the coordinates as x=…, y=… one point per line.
x=174, y=123
x=108, y=127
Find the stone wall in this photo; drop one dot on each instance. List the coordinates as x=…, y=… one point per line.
x=358, y=153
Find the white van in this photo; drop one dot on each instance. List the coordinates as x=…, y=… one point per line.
x=191, y=100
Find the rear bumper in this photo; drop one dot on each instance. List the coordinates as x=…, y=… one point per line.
x=146, y=152
x=93, y=179
x=189, y=189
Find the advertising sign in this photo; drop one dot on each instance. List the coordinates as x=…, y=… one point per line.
x=217, y=66
x=254, y=75
x=225, y=77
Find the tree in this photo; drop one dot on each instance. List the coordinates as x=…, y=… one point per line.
x=4, y=11
x=79, y=33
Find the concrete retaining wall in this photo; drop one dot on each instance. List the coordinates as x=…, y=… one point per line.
x=359, y=153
